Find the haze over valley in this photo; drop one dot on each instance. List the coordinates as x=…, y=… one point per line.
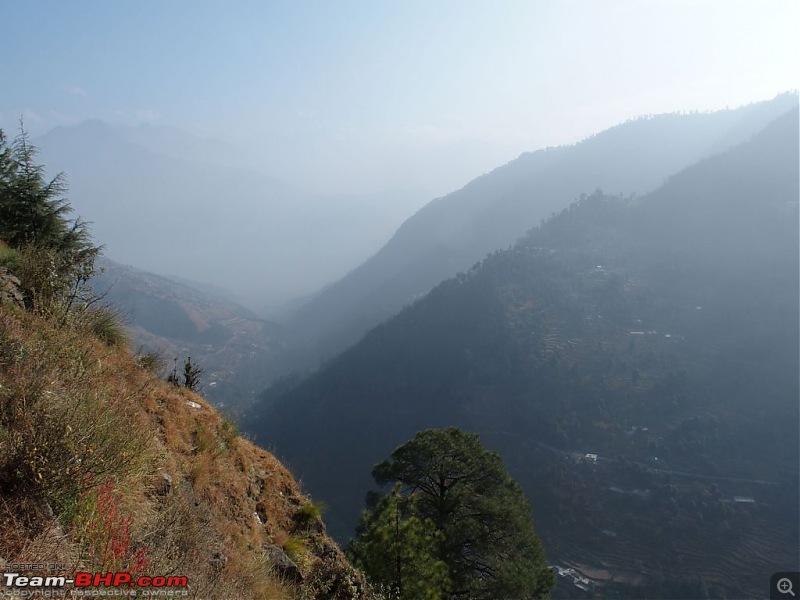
x=571, y=228
x=264, y=240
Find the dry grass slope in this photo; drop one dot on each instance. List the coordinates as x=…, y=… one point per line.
x=103, y=467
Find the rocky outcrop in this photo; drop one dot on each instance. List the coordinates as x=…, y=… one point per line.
x=10, y=288
x=284, y=566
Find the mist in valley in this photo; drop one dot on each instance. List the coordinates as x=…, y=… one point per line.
x=569, y=226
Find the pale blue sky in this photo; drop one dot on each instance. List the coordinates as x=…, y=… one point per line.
x=357, y=96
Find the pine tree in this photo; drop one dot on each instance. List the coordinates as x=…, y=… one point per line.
x=192, y=372
x=33, y=211
x=56, y=253
x=191, y=375
x=484, y=523
x=397, y=549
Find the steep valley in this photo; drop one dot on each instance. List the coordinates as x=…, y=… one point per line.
x=634, y=362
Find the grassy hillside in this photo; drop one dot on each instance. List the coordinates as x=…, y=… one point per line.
x=104, y=467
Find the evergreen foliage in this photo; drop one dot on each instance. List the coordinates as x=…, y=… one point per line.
x=658, y=332
x=398, y=549
x=482, y=522
x=56, y=254
x=191, y=375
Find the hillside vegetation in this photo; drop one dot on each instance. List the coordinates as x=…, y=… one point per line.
x=239, y=351
x=493, y=211
x=634, y=361
x=104, y=466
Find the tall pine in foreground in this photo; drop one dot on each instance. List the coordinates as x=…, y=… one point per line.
x=480, y=524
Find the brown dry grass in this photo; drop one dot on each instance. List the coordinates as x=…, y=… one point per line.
x=76, y=412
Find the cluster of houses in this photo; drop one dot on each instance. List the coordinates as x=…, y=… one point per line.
x=578, y=580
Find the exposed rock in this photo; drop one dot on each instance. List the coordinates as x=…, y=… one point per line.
x=284, y=566
x=218, y=561
x=10, y=288
x=164, y=485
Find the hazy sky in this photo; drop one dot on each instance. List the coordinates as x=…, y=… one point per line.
x=359, y=96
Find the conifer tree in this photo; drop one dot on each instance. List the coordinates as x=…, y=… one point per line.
x=57, y=252
x=191, y=375
x=484, y=525
x=397, y=549
x=34, y=210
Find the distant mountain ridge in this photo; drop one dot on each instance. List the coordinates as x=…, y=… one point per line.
x=264, y=239
x=658, y=333
x=451, y=233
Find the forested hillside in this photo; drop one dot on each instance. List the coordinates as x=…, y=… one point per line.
x=633, y=359
x=450, y=233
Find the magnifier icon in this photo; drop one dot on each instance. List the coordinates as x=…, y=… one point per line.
x=784, y=586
